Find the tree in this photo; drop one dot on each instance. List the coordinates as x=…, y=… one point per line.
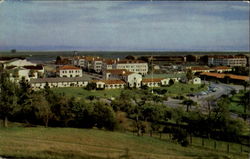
x=13, y=51
x=189, y=75
x=104, y=116
x=171, y=82
x=42, y=108
x=8, y=97
x=245, y=84
x=25, y=111
x=91, y=86
x=188, y=103
x=245, y=101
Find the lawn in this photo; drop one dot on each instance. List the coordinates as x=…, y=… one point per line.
x=83, y=93
x=235, y=105
x=182, y=89
x=176, y=89
x=62, y=143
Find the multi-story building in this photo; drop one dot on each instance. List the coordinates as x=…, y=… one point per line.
x=107, y=64
x=96, y=64
x=69, y=71
x=136, y=66
x=227, y=60
x=132, y=79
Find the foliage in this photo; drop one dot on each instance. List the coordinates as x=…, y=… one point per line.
x=189, y=75
x=171, y=82
x=180, y=135
x=91, y=86
x=8, y=97
x=104, y=116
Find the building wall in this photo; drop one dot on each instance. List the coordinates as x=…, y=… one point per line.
x=134, y=80
x=227, y=61
x=70, y=73
x=59, y=84
x=196, y=80
x=141, y=68
x=19, y=63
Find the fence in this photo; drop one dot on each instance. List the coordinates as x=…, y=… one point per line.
x=205, y=143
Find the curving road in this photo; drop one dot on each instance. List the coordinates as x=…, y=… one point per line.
x=202, y=100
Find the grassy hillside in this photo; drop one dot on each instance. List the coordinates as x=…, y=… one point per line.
x=67, y=143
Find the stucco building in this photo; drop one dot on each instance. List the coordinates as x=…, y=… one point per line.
x=69, y=71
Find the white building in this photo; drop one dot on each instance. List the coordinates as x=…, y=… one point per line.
x=18, y=63
x=110, y=84
x=132, y=79
x=196, y=80
x=69, y=71
x=136, y=66
x=40, y=83
x=96, y=64
x=107, y=64
x=155, y=82
x=227, y=60
x=20, y=68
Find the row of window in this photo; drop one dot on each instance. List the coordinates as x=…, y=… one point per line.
x=71, y=71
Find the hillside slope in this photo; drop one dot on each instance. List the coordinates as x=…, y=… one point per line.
x=60, y=143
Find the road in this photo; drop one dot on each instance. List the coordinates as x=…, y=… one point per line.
x=202, y=100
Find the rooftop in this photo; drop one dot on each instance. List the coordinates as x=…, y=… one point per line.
x=148, y=80
x=119, y=72
x=68, y=67
x=111, y=81
x=222, y=75
x=130, y=61
x=177, y=75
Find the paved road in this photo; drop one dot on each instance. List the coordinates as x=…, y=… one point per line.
x=202, y=100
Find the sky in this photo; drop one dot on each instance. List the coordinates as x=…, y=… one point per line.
x=124, y=25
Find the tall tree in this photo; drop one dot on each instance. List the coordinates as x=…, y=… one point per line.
x=245, y=101
x=189, y=103
x=189, y=75
x=42, y=108
x=8, y=97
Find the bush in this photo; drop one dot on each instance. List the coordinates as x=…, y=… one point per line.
x=180, y=136
x=91, y=86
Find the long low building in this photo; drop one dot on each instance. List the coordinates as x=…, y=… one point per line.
x=40, y=83
x=225, y=77
x=110, y=84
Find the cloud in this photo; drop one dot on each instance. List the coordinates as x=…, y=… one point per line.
x=125, y=25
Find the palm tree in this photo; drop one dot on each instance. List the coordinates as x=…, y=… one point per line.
x=189, y=103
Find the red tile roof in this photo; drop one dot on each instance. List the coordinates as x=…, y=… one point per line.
x=109, y=61
x=119, y=72
x=68, y=67
x=221, y=68
x=222, y=75
x=149, y=80
x=110, y=81
x=237, y=77
x=217, y=75
x=199, y=68
x=131, y=61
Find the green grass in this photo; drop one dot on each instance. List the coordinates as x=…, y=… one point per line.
x=83, y=93
x=176, y=89
x=182, y=89
x=235, y=105
x=62, y=143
